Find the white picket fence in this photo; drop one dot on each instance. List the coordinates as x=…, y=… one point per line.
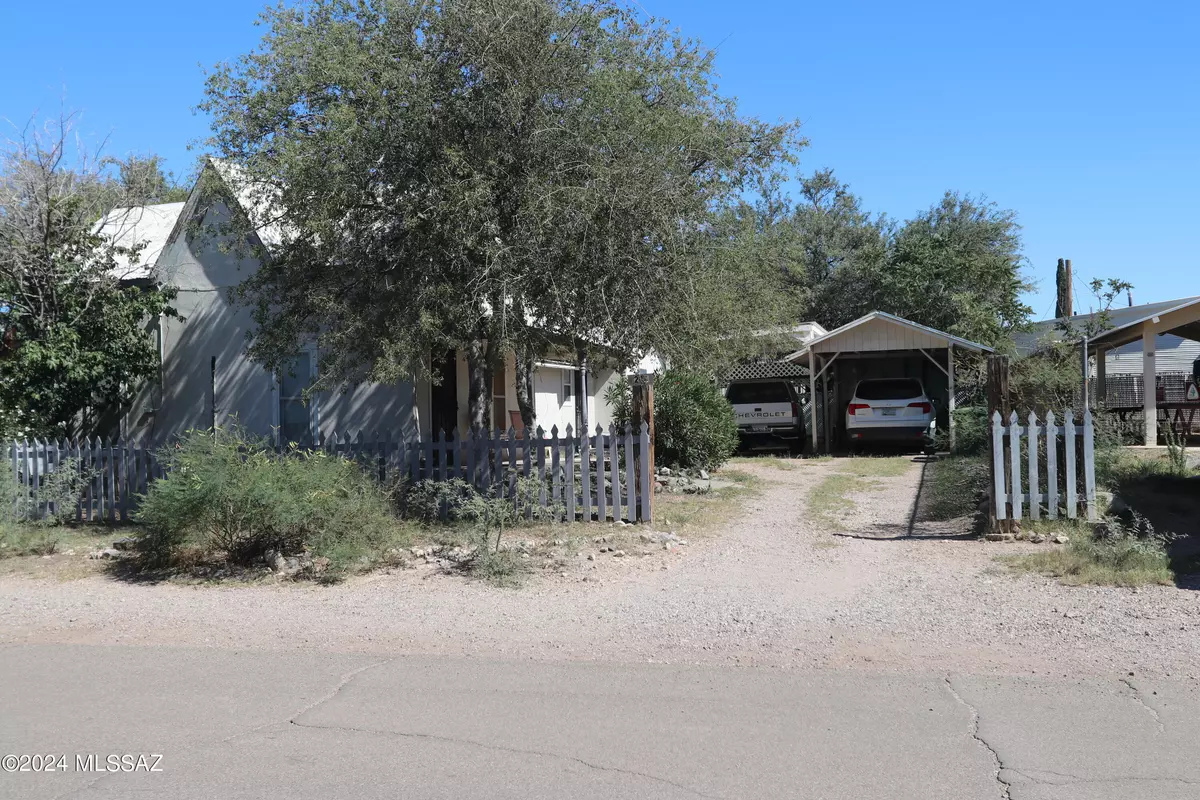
x=608, y=475
x=1013, y=498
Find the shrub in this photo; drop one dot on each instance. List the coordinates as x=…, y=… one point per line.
x=694, y=425
x=972, y=432
x=228, y=493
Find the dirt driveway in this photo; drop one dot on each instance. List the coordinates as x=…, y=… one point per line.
x=788, y=583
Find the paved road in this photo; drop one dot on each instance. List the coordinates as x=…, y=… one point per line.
x=256, y=724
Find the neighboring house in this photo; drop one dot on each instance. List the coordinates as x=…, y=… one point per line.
x=206, y=378
x=1175, y=354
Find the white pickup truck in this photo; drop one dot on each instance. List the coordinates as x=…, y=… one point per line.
x=768, y=414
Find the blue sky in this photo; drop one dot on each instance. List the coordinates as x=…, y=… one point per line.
x=1082, y=117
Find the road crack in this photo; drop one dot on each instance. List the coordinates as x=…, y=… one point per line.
x=1005, y=786
x=515, y=750
x=1137, y=698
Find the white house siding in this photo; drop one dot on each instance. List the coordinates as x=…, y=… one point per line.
x=1172, y=354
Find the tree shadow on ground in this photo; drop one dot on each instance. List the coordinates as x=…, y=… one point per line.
x=929, y=517
x=1172, y=506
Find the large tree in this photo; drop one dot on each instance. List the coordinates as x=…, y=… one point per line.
x=74, y=344
x=478, y=174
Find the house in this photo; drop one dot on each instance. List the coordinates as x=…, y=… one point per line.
x=1123, y=367
x=206, y=378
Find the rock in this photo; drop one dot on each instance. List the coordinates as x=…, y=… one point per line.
x=128, y=543
x=1037, y=538
x=618, y=553
x=1060, y=539
x=277, y=562
x=591, y=556
x=703, y=474
x=559, y=542
x=658, y=487
x=1000, y=537
x=320, y=564
x=664, y=471
x=291, y=565
x=418, y=552
x=646, y=537
x=107, y=552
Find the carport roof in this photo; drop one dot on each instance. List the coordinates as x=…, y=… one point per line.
x=912, y=336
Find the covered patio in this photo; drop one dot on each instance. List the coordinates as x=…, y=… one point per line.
x=1182, y=320
x=878, y=345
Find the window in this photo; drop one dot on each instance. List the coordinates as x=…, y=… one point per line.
x=499, y=399
x=771, y=392
x=297, y=421
x=888, y=389
x=568, y=386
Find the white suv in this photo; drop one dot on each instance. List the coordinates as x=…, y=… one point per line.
x=895, y=410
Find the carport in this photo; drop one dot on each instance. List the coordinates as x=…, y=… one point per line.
x=878, y=345
x=1184, y=321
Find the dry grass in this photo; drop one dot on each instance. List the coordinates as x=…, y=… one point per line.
x=768, y=460
x=699, y=514
x=829, y=502
x=875, y=466
x=1121, y=559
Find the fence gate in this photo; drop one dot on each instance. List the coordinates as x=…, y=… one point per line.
x=1060, y=459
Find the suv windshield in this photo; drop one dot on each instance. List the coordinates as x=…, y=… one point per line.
x=889, y=389
x=740, y=393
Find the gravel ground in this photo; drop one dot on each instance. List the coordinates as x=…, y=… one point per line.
x=772, y=589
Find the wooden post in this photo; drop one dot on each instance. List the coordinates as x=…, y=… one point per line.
x=812, y=398
x=998, y=403
x=950, y=384
x=642, y=407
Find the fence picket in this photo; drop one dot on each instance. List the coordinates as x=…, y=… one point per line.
x=601, y=494
x=555, y=478
x=541, y=466
x=614, y=464
x=585, y=472
x=630, y=482
x=1069, y=446
x=1089, y=464
x=644, y=470
x=1052, y=465
x=569, y=476
x=998, y=465
x=1014, y=444
x=1035, y=489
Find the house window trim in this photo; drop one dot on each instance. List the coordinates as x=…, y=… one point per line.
x=314, y=406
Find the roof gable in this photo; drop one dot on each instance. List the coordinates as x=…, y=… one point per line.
x=148, y=227
x=861, y=335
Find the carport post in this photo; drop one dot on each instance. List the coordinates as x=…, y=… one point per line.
x=950, y=382
x=812, y=397
x=1149, y=389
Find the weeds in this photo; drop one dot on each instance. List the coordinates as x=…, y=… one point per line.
x=951, y=487
x=1119, y=555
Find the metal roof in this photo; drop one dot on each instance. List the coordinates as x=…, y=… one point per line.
x=1188, y=325
x=894, y=320
x=1029, y=340
x=146, y=226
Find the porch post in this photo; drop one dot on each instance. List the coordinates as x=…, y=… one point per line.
x=812, y=397
x=950, y=383
x=1101, y=378
x=1149, y=388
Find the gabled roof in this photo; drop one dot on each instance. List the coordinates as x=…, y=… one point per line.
x=892, y=319
x=146, y=226
x=1187, y=324
x=1027, y=341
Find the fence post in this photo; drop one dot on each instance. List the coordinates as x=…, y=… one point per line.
x=642, y=408
x=614, y=467
x=1052, y=465
x=1089, y=464
x=601, y=495
x=1069, y=446
x=1035, y=495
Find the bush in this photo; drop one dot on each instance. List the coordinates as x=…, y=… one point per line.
x=228, y=493
x=972, y=432
x=694, y=425
x=1122, y=555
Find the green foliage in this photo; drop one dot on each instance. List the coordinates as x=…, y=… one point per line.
x=694, y=425
x=54, y=503
x=228, y=493
x=567, y=168
x=972, y=432
x=75, y=343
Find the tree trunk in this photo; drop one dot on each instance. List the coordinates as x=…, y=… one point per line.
x=480, y=355
x=525, y=357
